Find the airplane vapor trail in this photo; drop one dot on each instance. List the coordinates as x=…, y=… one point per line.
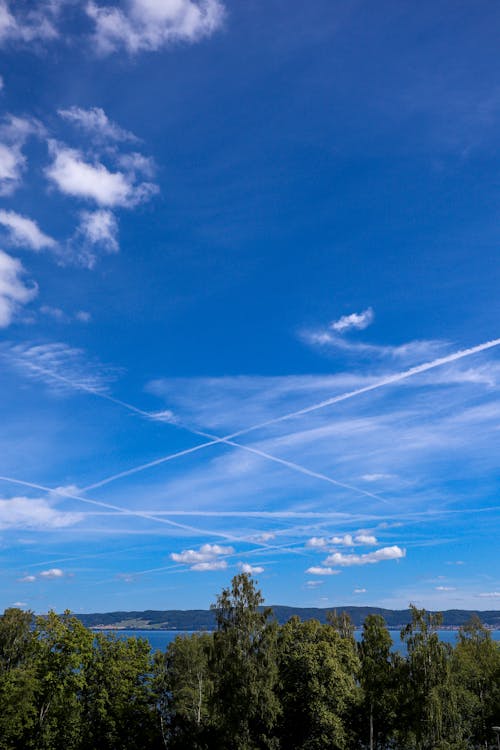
x=121, y=510
x=388, y=380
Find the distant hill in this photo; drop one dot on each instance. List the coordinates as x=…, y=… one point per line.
x=204, y=619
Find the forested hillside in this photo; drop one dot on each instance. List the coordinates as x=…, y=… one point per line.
x=252, y=684
x=204, y=619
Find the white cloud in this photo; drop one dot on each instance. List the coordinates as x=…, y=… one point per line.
x=13, y=291
x=60, y=366
x=445, y=588
x=380, y=555
x=25, y=232
x=359, y=591
x=34, y=513
x=313, y=584
x=12, y=163
x=1, y=84
x=376, y=477
x=14, y=132
x=152, y=24
x=490, y=595
x=52, y=573
x=97, y=231
x=54, y=312
x=20, y=604
x=96, y=122
x=212, y=565
x=251, y=569
x=76, y=177
x=34, y=24
x=356, y=321
x=137, y=164
x=203, y=559
x=368, y=539
x=347, y=540
x=266, y=536
x=317, y=570
x=27, y=579
x=317, y=541
x=83, y=316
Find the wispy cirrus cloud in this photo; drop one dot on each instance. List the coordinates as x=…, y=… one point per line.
x=14, y=132
x=28, y=23
x=354, y=321
x=96, y=123
x=61, y=367
x=14, y=291
x=149, y=25
x=25, y=232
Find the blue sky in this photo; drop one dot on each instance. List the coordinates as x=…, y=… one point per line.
x=215, y=216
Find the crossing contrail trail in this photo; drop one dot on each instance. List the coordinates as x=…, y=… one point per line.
x=214, y=439
x=121, y=510
x=388, y=380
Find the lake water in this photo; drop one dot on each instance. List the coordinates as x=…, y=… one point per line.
x=159, y=639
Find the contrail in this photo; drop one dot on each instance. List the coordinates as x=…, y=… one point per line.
x=389, y=380
x=213, y=439
x=122, y=511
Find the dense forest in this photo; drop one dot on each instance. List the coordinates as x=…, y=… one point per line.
x=252, y=684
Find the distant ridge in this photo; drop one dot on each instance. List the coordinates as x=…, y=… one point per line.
x=204, y=619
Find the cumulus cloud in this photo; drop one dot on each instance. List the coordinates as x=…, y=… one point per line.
x=25, y=232
x=52, y=573
x=204, y=558
x=96, y=122
x=27, y=579
x=149, y=25
x=355, y=321
x=251, y=569
x=34, y=513
x=317, y=541
x=13, y=291
x=347, y=540
x=445, y=588
x=317, y=570
x=359, y=591
x=75, y=176
x=367, y=539
x=379, y=555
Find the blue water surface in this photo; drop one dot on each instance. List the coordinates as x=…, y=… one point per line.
x=159, y=639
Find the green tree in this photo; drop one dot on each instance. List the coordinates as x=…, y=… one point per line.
x=318, y=670
x=377, y=679
x=431, y=718
x=18, y=679
x=64, y=649
x=476, y=666
x=183, y=687
x=118, y=702
x=244, y=669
